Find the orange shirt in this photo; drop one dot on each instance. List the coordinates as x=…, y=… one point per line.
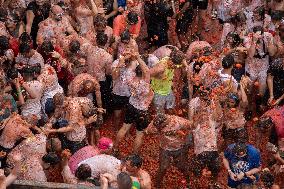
x=119, y=25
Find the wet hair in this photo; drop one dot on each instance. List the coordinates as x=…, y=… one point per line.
x=267, y=178
x=276, y=15
x=177, y=57
x=37, y=69
x=261, y=12
x=12, y=73
x=258, y=28
x=4, y=44
x=27, y=71
x=264, y=123
x=132, y=17
x=236, y=38
x=159, y=120
x=83, y=172
x=234, y=97
x=135, y=160
x=25, y=38
x=100, y=21
x=101, y=38
x=51, y=158
x=240, y=147
x=125, y=35
x=24, y=48
x=74, y=46
x=60, y=123
x=3, y=14
x=47, y=46
x=228, y=61
x=124, y=180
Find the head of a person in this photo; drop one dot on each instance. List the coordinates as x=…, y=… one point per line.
x=58, y=99
x=4, y=45
x=264, y=123
x=259, y=13
x=46, y=47
x=26, y=50
x=267, y=178
x=258, y=30
x=25, y=38
x=100, y=23
x=125, y=37
x=228, y=61
x=40, y=2
x=240, y=150
x=241, y=17
x=133, y=163
x=28, y=73
x=60, y=123
x=57, y=13
x=54, y=145
x=83, y=172
x=12, y=21
x=160, y=121
x=276, y=17
x=233, y=39
x=52, y=158
x=177, y=57
x=74, y=46
x=88, y=87
x=132, y=18
x=101, y=39
x=124, y=181
x=138, y=71
x=203, y=92
x=3, y=14
x=105, y=145
x=37, y=70
x=12, y=73
x=233, y=100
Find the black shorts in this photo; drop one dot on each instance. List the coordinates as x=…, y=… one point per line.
x=209, y=160
x=200, y=4
x=119, y=102
x=139, y=117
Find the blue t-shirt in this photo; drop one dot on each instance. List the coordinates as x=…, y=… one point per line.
x=237, y=165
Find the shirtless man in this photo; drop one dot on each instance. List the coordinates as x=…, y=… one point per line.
x=174, y=146
x=78, y=112
x=14, y=129
x=100, y=24
x=55, y=26
x=133, y=166
x=32, y=167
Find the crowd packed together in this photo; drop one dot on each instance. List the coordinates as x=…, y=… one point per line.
x=203, y=79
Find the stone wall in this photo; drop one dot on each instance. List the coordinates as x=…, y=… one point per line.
x=23, y=184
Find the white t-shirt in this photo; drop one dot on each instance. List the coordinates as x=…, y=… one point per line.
x=101, y=164
x=120, y=86
x=33, y=106
x=205, y=133
x=227, y=78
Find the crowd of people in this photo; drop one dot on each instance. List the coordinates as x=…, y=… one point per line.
x=71, y=68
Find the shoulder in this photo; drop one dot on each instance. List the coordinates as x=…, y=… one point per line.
x=252, y=150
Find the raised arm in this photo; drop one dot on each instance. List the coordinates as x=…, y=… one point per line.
x=30, y=18
x=145, y=69
x=114, y=12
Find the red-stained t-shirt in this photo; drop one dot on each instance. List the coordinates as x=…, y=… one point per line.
x=119, y=25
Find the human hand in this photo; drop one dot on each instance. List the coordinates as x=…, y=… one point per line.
x=101, y=110
x=240, y=176
x=270, y=100
x=233, y=176
x=276, y=102
x=92, y=119
x=101, y=10
x=55, y=55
